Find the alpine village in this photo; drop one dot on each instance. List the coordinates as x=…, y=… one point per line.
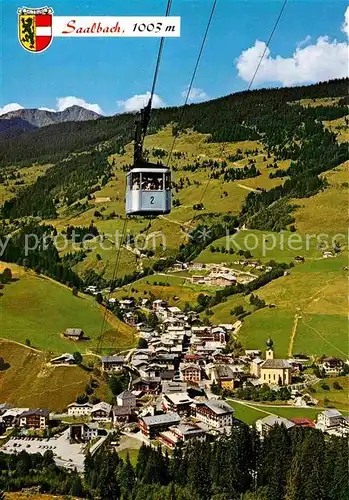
x=198, y=354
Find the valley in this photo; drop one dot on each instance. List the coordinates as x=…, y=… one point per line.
x=219, y=177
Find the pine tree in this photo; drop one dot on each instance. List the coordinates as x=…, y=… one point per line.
x=126, y=476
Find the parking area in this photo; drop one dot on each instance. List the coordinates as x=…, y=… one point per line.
x=65, y=454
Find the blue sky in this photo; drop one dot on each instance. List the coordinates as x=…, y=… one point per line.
x=108, y=72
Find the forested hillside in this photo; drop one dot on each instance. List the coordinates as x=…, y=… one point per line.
x=240, y=116
x=262, y=160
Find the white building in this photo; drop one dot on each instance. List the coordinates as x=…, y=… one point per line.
x=329, y=420
x=101, y=412
x=264, y=425
x=79, y=410
x=215, y=413
x=126, y=398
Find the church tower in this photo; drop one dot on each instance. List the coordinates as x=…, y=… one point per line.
x=269, y=353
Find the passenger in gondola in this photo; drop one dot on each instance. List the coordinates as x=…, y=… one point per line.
x=136, y=182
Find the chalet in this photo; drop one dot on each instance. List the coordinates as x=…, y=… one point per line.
x=185, y=433
x=151, y=385
x=327, y=255
x=264, y=425
x=171, y=361
x=174, y=311
x=198, y=279
x=112, y=363
x=121, y=414
x=172, y=386
x=127, y=303
x=162, y=350
x=196, y=266
x=190, y=372
x=223, y=280
x=214, y=413
x=79, y=410
x=180, y=265
x=218, y=357
x=63, y=359
x=101, y=412
x=138, y=364
x=159, y=304
x=193, y=358
x=178, y=402
x=35, y=419
x=127, y=399
x=167, y=375
x=11, y=416
x=151, y=426
x=146, y=332
x=74, y=333
x=331, y=366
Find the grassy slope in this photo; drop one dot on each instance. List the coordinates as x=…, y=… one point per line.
x=173, y=226
x=327, y=211
x=40, y=309
x=337, y=398
x=30, y=382
x=316, y=291
x=264, y=246
x=252, y=412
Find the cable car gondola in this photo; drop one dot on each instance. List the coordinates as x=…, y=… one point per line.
x=148, y=185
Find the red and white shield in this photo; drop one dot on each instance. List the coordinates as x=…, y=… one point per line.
x=35, y=28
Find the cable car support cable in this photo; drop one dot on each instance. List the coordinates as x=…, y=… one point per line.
x=145, y=117
x=193, y=76
x=242, y=101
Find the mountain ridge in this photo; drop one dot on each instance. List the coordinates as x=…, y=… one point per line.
x=42, y=118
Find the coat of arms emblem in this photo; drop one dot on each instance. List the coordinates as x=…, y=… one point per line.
x=35, y=28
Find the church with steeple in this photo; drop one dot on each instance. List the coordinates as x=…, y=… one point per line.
x=274, y=372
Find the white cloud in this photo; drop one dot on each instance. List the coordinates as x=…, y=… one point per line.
x=13, y=106
x=48, y=109
x=138, y=101
x=67, y=102
x=195, y=94
x=323, y=60
x=345, y=25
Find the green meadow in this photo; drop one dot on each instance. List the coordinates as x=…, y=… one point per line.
x=40, y=309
